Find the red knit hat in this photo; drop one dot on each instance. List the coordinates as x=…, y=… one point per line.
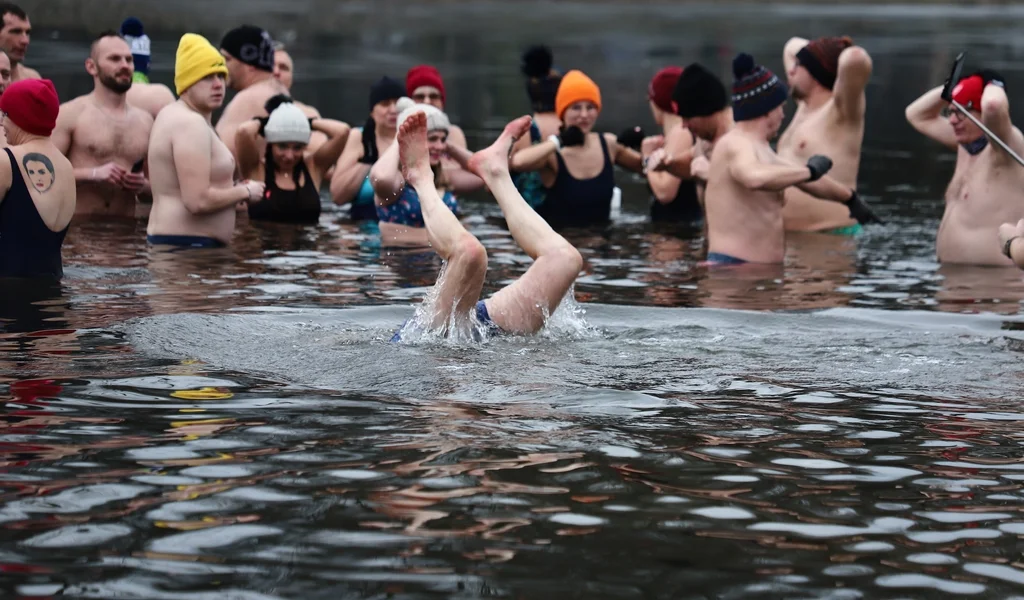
x=423, y=75
x=32, y=105
x=661, y=86
x=967, y=92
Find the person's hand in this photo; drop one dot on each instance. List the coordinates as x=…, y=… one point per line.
x=255, y=190
x=632, y=137
x=111, y=173
x=1008, y=232
x=651, y=143
x=861, y=211
x=571, y=136
x=818, y=165
x=134, y=182
x=699, y=168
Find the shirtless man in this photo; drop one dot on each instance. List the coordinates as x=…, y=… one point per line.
x=249, y=54
x=284, y=71
x=194, y=194
x=15, y=35
x=746, y=179
x=150, y=97
x=702, y=102
x=103, y=136
x=986, y=189
x=828, y=77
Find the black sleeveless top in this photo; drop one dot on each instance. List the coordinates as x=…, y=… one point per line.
x=301, y=205
x=28, y=248
x=572, y=202
x=684, y=208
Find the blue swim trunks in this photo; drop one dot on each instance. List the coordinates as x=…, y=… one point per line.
x=718, y=258
x=185, y=241
x=490, y=327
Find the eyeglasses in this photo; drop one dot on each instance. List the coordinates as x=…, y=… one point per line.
x=426, y=96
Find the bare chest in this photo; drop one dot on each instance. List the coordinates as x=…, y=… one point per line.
x=102, y=138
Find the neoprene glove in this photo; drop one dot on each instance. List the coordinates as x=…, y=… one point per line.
x=861, y=211
x=263, y=124
x=818, y=165
x=370, y=154
x=571, y=136
x=632, y=137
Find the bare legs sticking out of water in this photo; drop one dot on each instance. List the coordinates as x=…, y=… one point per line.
x=524, y=305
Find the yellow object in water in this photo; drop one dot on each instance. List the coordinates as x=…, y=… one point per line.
x=205, y=393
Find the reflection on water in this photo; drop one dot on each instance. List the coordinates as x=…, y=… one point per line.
x=232, y=423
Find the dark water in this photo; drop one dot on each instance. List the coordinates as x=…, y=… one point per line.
x=233, y=424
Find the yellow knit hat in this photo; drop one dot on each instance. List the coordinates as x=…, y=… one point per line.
x=196, y=58
x=576, y=87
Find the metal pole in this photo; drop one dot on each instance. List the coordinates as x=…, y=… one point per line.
x=987, y=131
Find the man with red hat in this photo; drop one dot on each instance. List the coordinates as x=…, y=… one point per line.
x=37, y=184
x=827, y=77
x=986, y=188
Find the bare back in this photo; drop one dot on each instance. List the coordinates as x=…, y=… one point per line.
x=821, y=131
x=178, y=130
x=150, y=97
x=96, y=137
x=52, y=193
x=246, y=105
x=986, y=190
x=741, y=222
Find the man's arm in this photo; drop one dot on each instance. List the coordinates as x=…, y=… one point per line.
x=665, y=183
x=852, y=79
x=995, y=114
x=64, y=131
x=753, y=174
x=925, y=115
x=192, y=148
x=228, y=125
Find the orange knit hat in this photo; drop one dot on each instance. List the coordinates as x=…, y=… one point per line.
x=576, y=87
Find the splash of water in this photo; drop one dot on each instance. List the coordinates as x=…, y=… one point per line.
x=566, y=322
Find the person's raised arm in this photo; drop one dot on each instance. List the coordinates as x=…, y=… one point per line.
x=851, y=82
x=329, y=152
x=925, y=115
x=247, y=146
x=790, y=50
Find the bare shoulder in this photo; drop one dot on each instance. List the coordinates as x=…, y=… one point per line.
x=308, y=110
x=140, y=117
x=29, y=73
x=72, y=108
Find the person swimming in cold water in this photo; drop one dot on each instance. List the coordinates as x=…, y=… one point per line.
x=454, y=304
x=398, y=206
x=673, y=199
x=291, y=171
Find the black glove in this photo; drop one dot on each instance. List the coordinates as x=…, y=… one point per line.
x=632, y=137
x=263, y=124
x=571, y=136
x=861, y=211
x=818, y=165
x=370, y=154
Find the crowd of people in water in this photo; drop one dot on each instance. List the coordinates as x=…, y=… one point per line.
x=132, y=148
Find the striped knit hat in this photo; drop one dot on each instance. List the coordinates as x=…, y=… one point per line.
x=756, y=91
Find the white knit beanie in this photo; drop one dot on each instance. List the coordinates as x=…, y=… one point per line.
x=436, y=119
x=287, y=124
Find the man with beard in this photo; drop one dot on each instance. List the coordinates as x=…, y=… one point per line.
x=104, y=137
x=828, y=77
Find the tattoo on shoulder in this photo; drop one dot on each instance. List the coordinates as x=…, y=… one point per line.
x=40, y=171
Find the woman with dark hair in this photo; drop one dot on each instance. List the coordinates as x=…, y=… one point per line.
x=542, y=81
x=292, y=172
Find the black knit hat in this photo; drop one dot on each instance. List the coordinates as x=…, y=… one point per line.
x=699, y=93
x=251, y=45
x=757, y=91
x=385, y=89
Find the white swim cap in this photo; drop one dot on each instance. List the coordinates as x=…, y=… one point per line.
x=287, y=124
x=436, y=119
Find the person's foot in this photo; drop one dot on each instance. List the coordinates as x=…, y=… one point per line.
x=493, y=160
x=413, y=157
